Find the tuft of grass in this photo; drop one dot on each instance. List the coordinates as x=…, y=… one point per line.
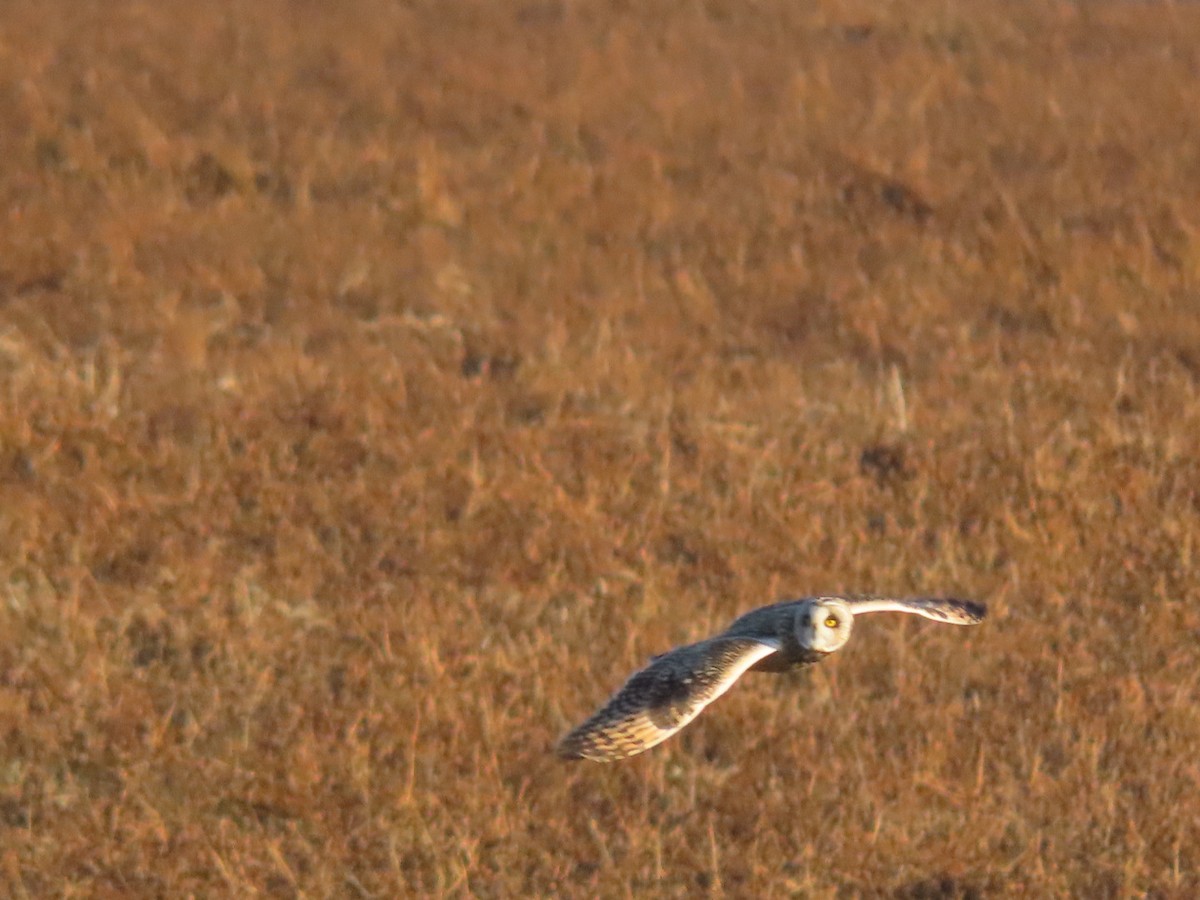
x=381, y=383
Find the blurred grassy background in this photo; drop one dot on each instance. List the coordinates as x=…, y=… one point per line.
x=383, y=381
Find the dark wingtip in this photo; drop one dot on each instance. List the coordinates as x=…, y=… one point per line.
x=568, y=748
x=976, y=610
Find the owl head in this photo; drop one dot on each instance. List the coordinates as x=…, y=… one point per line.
x=824, y=624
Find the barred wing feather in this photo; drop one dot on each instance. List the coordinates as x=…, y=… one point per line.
x=663, y=697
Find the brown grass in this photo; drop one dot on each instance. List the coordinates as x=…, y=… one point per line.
x=382, y=382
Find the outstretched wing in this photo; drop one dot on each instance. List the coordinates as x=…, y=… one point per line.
x=663, y=697
x=948, y=609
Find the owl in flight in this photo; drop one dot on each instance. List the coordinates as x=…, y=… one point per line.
x=672, y=690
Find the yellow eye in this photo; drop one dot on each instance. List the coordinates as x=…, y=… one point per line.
x=831, y=622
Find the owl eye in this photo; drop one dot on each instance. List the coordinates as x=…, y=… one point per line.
x=831, y=622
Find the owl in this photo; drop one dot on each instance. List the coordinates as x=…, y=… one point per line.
x=672, y=690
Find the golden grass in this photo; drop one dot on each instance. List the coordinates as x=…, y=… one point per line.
x=382, y=382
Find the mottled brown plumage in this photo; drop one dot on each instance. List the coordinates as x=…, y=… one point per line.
x=663, y=697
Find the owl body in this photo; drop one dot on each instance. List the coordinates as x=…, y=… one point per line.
x=778, y=621
x=676, y=686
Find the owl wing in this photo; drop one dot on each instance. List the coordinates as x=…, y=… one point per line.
x=663, y=697
x=948, y=609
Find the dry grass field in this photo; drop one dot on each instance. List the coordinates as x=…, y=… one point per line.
x=382, y=382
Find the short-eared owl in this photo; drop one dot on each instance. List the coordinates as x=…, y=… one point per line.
x=672, y=690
